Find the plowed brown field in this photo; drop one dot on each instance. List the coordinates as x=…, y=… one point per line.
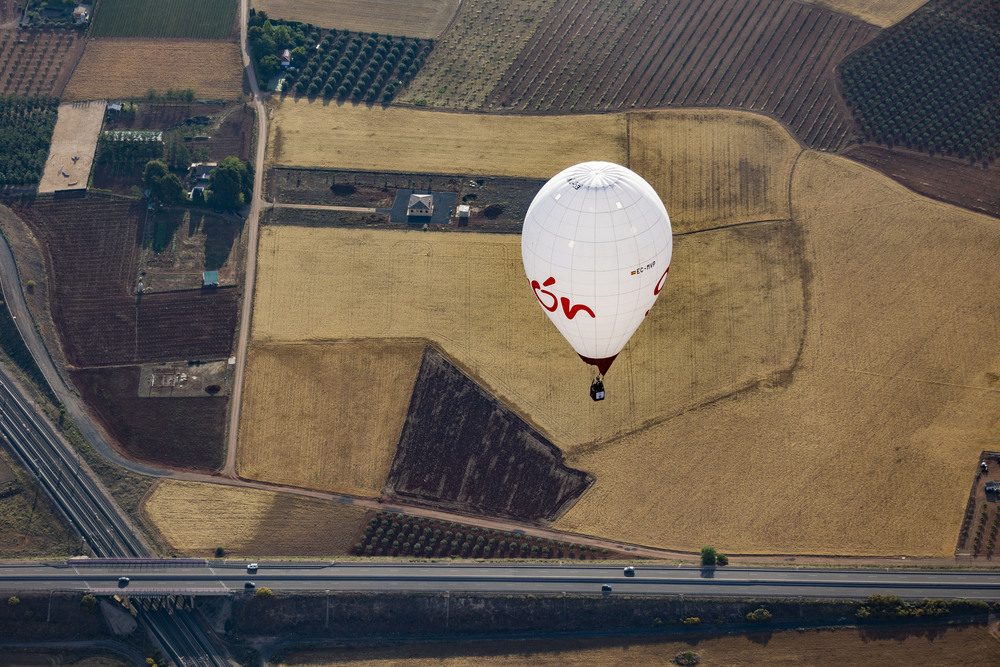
x=337, y=418
x=114, y=68
x=248, y=522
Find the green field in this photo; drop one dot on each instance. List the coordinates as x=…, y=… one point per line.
x=208, y=19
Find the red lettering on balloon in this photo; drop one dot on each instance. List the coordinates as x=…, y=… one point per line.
x=538, y=288
x=571, y=312
x=659, y=284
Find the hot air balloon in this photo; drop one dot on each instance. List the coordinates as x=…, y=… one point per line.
x=596, y=248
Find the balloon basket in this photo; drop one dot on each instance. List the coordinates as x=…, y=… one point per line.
x=597, y=389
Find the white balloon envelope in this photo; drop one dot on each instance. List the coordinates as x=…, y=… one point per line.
x=596, y=248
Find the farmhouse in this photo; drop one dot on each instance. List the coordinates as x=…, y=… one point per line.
x=285, y=57
x=200, y=171
x=81, y=14
x=420, y=206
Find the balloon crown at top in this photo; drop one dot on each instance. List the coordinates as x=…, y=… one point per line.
x=593, y=175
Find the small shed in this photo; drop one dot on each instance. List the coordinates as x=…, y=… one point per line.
x=420, y=206
x=285, y=57
x=463, y=215
x=81, y=14
x=210, y=279
x=114, y=107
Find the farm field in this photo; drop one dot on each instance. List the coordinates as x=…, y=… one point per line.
x=208, y=19
x=10, y=12
x=470, y=58
x=580, y=55
x=314, y=134
x=882, y=13
x=180, y=244
x=74, y=136
x=92, y=247
x=176, y=432
x=481, y=459
x=948, y=180
x=466, y=293
x=421, y=18
x=326, y=415
x=124, y=68
x=966, y=645
x=713, y=167
x=37, y=62
x=248, y=522
x=885, y=413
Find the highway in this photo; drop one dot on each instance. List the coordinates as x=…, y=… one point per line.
x=190, y=577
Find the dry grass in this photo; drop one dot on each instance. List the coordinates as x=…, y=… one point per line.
x=416, y=18
x=249, y=522
x=475, y=52
x=819, y=385
x=969, y=645
x=75, y=135
x=319, y=134
x=326, y=416
x=869, y=449
x=714, y=167
x=116, y=68
x=467, y=293
x=882, y=13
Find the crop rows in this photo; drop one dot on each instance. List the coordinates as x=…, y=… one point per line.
x=396, y=534
x=931, y=83
x=206, y=19
x=26, y=125
x=37, y=62
x=93, y=262
x=360, y=66
x=763, y=55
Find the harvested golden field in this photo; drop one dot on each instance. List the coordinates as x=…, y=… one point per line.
x=478, y=48
x=326, y=416
x=418, y=18
x=714, y=167
x=882, y=13
x=74, y=142
x=869, y=448
x=317, y=134
x=467, y=293
x=113, y=68
x=249, y=522
x=967, y=645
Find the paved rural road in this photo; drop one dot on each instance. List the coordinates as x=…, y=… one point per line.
x=207, y=578
x=253, y=224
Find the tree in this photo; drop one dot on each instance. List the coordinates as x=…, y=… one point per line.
x=154, y=172
x=708, y=556
x=269, y=65
x=263, y=593
x=13, y=601
x=179, y=155
x=89, y=603
x=229, y=184
x=759, y=615
x=721, y=559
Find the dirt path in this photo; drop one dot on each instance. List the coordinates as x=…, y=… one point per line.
x=253, y=224
x=321, y=207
